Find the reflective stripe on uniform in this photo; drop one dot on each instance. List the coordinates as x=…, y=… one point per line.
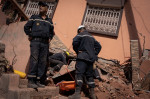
x=80, y=81
x=40, y=20
x=31, y=75
x=90, y=83
x=38, y=77
x=85, y=36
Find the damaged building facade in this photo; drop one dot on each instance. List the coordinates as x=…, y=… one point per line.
x=121, y=26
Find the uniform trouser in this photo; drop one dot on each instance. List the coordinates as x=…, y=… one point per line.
x=84, y=69
x=38, y=59
x=54, y=62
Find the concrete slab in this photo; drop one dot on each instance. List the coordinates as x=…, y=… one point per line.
x=9, y=81
x=65, y=69
x=15, y=88
x=23, y=83
x=30, y=93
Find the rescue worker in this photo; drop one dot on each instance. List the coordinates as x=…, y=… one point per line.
x=39, y=29
x=87, y=49
x=57, y=60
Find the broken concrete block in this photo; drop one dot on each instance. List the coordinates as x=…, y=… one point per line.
x=23, y=83
x=65, y=69
x=9, y=81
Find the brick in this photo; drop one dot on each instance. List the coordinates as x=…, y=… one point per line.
x=135, y=64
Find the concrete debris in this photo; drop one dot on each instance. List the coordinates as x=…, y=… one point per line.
x=114, y=83
x=12, y=87
x=117, y=86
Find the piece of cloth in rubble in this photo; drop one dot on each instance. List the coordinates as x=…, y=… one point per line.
x=56, y=61
x=60, y=57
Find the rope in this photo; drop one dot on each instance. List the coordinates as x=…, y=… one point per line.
x=69, y=71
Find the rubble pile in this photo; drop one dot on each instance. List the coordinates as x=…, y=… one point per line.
x=114, y=84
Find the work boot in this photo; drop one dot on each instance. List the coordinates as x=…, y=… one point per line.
x=39, y=84
x=76, y=95
x=31, y=84
x=92, y=93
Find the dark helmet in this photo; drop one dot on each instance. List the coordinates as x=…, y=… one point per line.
x=43, y=3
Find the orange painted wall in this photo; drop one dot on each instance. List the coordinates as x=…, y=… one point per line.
x=68, y=16
x=16, y=43
x=142, y=19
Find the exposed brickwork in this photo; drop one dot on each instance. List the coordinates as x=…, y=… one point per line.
x=135, y=64
x=2, y=57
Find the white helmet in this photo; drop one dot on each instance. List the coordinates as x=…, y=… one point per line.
x=81, y=26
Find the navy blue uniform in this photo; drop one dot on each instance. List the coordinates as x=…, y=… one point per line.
x=60, y=57
x=87, y=49
x=57, y=60
x=38, y=27
x=40, y=30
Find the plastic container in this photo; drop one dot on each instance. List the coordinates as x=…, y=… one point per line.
x=21, y=74
x=66, y=85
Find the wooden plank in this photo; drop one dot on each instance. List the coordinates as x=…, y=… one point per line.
x=21, y=12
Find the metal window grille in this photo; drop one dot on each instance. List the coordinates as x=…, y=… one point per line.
x=102, y=20
x=33, y=8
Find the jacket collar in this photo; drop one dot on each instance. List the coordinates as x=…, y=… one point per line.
x=42, y=18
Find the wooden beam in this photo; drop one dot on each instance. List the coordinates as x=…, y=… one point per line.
x=21, y=12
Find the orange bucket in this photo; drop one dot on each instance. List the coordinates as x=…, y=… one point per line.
x=66, y=85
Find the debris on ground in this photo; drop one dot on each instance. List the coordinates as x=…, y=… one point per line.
x=115, y=84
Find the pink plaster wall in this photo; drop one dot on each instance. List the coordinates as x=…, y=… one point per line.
x=68, y=16
x=142, y=19
x=2, y=16
x=14, y=37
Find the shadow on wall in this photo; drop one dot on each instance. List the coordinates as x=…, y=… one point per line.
x=133, y=32
x=105, y=36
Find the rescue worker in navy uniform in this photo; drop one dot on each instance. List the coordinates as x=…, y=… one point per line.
x=39, y=29
x=57, y=60
x=87, y=49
